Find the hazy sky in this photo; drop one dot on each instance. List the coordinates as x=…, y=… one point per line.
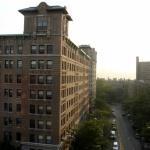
x=119, y=30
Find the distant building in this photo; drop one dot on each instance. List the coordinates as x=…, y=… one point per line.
x=92, y=71
x=44, y=81
x=142, y=71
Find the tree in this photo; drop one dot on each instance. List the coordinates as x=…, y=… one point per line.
x=90, y=136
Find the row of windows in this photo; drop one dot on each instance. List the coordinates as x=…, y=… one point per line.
x=68, y=104
x=8, y=136
x=42, y=49
x=9, y=92
x=72, y=67
x=9, y=78
x=69, y=115
x=10, y=64
x=69, y=91
x=40, y=124
x=40, y=109
x=47, y=139
x=34, y=79
x=9, y=49
x=34, y=64
x=41, y=79
x=35, y=49
x=8, y=121
x=75, y=56
x=9, y=108
x=40, y=94
x=41, y=64
x=71, y=79
x=33, y=109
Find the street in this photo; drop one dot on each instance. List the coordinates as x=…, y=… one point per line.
x=126, y=135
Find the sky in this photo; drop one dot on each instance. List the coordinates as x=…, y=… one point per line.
x=119, y=30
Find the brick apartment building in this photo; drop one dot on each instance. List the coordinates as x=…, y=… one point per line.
x=44, y=81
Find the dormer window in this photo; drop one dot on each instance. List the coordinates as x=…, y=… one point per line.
x=42, y=24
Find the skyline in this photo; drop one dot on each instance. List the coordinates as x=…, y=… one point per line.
x=118, y=30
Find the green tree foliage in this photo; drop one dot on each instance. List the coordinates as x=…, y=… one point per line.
x=111, y=90
x=138, y=106
x=91, y=135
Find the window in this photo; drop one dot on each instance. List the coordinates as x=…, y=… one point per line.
x=33, y=79
x=49, y=64
x=7, y=121
x=8, y=92
x=41, y=79
x=33, y=94
x=49, y=79
x=19, y=92
x=33, y=64
x=32, y=109
x=1, y=50
x=41, y=24
x=40, y=94
x=32, y=138
x=18, y=121
x=50, y=49
x=8, y=78
x=34, y=49
x=48, y=139
x=0, y=64
x=19, y=63
x=9, y=63
x=41, y=64
x=40, y=138
x=40, y=124
x=20, y=49
x=48, y=110
x=48, y=124
x=10, y=107
x=18, y=78
x=32, y=123
x=40, y=109
x=9, y=49
x=48, y=95
x=18, y=136
x=5, y=106
x=41, y=49
x=7, y=136
x=18, y=107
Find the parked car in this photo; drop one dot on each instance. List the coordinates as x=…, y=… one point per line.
x=113, y=135
x=115, y=146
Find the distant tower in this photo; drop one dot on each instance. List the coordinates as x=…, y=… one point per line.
x=137, y=68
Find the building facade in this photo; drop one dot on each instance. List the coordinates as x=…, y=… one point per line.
x=142, y=71
x=44, y=81
x=92, y=69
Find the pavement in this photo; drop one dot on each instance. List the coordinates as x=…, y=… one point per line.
x=126, y=136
